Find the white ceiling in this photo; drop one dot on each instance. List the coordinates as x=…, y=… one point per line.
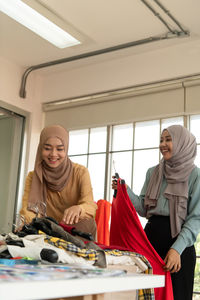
x=99, y=24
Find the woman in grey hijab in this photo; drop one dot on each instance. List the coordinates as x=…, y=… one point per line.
x=170, y=200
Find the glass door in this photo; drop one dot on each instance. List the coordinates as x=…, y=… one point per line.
x=11, y=136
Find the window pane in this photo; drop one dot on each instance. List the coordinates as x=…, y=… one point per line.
x=197, y=245
x=123, y=166
x=194, y=127
x=197, y=279
x=197, y=268
x=81, y=159
x=96, y=166
x=147, y=134
x=78, y=142
x=171, y=121
x=143, y=160
x=122, y=137
x=98, y=140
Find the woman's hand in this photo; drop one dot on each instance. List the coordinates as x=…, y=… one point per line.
x=114, y=183
x=172, y=261
x=20, y=221
x=71, y=215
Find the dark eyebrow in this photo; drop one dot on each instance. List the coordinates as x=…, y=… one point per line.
x=167, y=136
x=56, y=146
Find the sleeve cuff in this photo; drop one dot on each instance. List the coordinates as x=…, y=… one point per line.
x=179, y=245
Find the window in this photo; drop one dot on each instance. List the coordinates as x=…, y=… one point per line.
x=146, y=154
x=88, y=147
x=128, y=149
x=118, y=148
x=135, y=148
x=12, y=136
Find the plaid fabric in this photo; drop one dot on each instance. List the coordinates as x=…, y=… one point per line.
x=89, y=254
x=146, y=294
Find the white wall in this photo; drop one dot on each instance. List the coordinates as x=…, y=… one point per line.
x=10, y=80
x=121, y=72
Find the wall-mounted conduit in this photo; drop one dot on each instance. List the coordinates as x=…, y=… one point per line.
x=172, y=33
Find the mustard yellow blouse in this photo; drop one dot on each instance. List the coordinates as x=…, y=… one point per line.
x=78, y=191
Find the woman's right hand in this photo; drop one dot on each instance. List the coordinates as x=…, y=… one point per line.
x=114, y=183
x=172, y=261
x=19, y=223
x=71, y=215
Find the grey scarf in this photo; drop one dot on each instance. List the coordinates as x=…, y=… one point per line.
x=176, y=171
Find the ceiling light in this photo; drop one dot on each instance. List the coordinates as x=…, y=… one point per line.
x=36, y=22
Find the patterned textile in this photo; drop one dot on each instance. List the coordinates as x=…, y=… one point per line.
x=89, y=254
x=147, y=294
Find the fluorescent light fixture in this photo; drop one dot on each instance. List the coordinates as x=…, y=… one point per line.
x=30, y=18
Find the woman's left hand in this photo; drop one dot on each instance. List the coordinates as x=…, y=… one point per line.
x=172, y=261
x=71, y=215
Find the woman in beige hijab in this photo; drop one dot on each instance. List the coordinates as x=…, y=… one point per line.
x=170, y=200
x=57, y=187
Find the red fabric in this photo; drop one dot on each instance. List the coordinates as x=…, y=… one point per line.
x=126, y=231
x=102, y=220
x=66, y=227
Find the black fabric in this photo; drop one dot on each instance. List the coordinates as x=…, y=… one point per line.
x=183, y=281
x=10, y=241
x=48, y=226
x=159, y=234
x=5, y=255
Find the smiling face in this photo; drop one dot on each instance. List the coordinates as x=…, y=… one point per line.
x=53, y=152
x=166, y=145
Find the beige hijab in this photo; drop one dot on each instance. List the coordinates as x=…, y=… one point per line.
x=45, y=177
x=176, y=171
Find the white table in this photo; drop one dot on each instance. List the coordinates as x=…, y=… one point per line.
x=32, y=290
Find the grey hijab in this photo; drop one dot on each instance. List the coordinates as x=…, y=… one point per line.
x=176, y=171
